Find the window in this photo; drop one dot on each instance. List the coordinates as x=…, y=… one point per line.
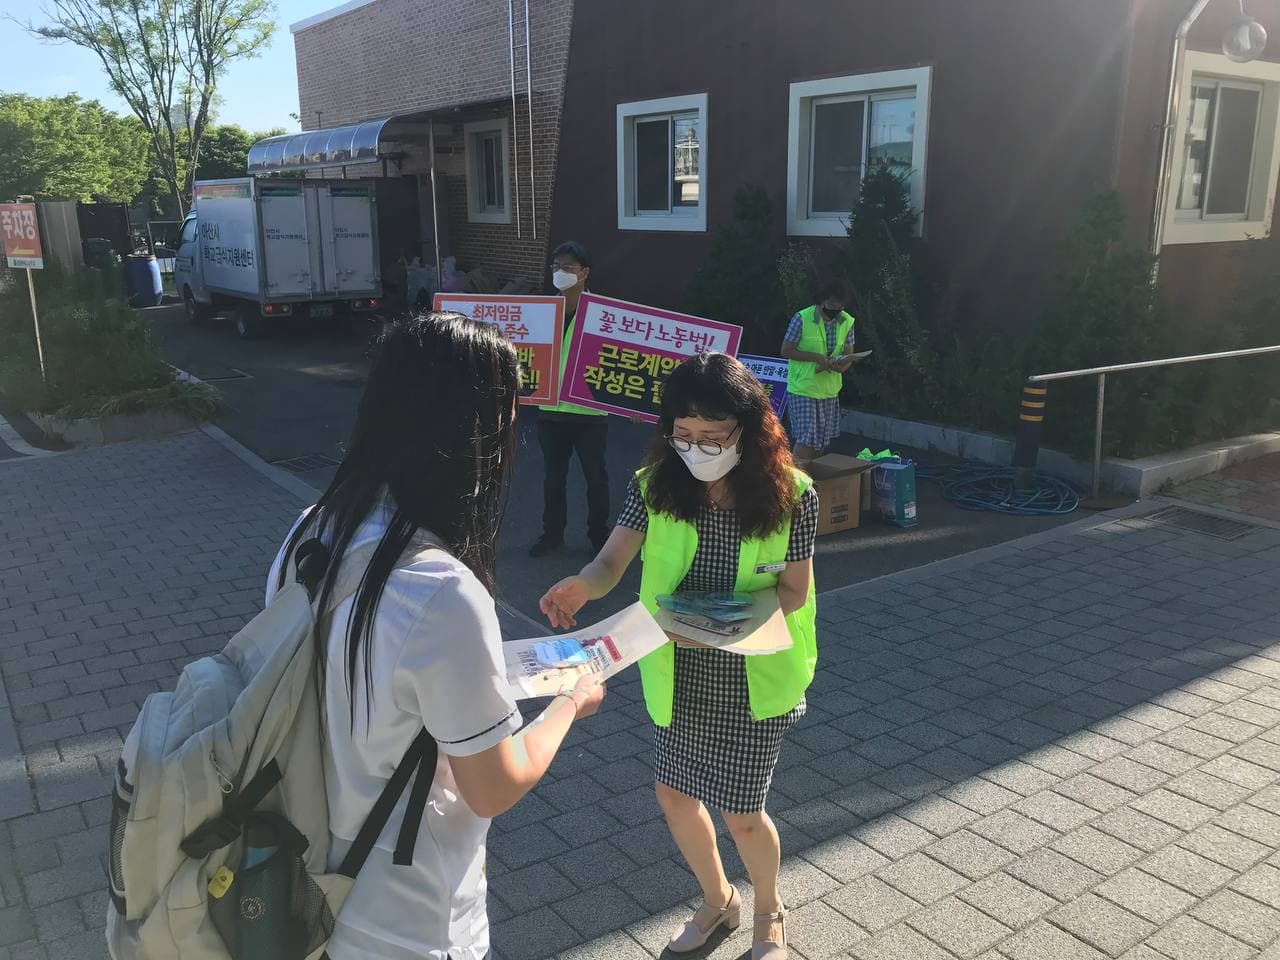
x=188, y=232
x=837, y=129
x=1225, y=151
x=1218, y=149
x=662, y=163
x=486, y=159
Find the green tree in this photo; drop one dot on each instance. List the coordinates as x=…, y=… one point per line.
x=165, y=58
x=65, y=148
x=225, y=153
x=883, y=260
x=738, y=281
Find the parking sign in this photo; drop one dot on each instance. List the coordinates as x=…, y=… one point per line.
x=21, y=235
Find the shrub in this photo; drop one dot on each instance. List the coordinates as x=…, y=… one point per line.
x=883, y=260
x=797, y=276
x=99, y=353
x=738, y=281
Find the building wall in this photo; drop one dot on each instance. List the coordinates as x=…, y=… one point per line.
x=408, y=56
x=1200, y=284
x=1023, y=124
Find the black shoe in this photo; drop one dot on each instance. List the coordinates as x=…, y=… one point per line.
x=544, y=545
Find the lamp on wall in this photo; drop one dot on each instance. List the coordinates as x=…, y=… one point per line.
x=1245, y=39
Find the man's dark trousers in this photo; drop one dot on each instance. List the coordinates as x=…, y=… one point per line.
x=561, y=435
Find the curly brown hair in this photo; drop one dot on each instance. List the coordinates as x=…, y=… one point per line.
x=716, y=386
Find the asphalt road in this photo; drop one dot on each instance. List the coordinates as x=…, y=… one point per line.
x=293, y=399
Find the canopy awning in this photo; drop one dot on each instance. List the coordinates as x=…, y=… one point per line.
x=316, y=149
x=352, y=143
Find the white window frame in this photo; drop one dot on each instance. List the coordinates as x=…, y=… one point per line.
x=867, y=86
x=683, y=219
x=475, y=183
x=1191, y=226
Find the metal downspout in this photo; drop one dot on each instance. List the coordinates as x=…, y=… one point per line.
x=515, y=117
x=1170, y=125
x=528, y=74
x=435, y=199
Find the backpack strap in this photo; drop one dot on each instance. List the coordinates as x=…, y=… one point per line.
x=418, y=763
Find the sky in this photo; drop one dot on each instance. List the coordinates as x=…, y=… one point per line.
x=257, y=94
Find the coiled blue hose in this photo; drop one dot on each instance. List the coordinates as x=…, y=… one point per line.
x=972, y=485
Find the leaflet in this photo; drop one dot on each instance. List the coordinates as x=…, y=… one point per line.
x=764, y=632
x=545, y=666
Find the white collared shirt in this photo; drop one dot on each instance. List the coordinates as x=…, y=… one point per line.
x=435, y=660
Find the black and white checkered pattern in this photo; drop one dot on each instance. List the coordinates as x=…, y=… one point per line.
x=714, y=750
x=814, y=423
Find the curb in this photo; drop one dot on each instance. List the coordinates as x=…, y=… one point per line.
x=299, y=488
x=1138, y=478
x=942, y=566
x=13, y=440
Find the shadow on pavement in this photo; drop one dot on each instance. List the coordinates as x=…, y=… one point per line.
x=1037, y=712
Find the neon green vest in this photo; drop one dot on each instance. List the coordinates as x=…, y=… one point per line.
x=564, y=362
x=803, y=377
x=776, y=682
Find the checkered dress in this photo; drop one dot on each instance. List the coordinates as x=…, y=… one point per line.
x=714, y=750
x=814, y=423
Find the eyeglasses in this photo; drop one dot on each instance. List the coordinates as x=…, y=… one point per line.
x=570, y=267
x=712, y=448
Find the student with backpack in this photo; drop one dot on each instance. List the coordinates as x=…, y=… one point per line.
x=406, y=684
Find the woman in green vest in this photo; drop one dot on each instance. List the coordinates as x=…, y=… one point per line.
x=818, y=348
x=717, y=506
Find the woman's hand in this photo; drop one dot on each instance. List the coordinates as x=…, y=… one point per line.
x=560, y=604
x=594, y=689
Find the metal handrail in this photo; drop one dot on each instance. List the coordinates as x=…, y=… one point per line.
x=1101, y=374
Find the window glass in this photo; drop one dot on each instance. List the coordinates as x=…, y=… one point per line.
x=1232, y=152
x=653, y=165
x=837, y=149
x=1195, y=151
x=893, y=130
x=687, y=161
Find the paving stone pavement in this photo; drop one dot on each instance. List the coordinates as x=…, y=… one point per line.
x=1250, y=487
x=1064, y=747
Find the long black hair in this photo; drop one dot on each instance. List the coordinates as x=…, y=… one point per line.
x=716, y=386
x=435, y=433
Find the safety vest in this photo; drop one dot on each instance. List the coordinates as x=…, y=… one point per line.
x=776, y=682
x=564, y=362
x=803, y=377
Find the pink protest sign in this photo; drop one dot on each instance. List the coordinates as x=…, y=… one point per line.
x=622, y=352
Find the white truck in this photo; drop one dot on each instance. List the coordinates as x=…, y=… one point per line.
x=273, y=248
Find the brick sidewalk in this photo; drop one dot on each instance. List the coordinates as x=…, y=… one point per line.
x=1064, y=747
x=1252, y=487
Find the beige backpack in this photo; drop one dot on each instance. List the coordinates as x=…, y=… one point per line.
x=220, y=819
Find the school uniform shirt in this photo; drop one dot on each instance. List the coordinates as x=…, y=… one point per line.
x=436, y=661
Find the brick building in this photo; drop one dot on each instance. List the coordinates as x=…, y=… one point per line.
x=1005, y=116
x=454, y=75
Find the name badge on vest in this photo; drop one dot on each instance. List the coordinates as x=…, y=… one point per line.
x=770, y=567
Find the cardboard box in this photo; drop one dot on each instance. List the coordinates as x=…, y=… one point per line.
x=839, y=480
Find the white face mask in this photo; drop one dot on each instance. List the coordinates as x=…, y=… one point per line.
x=564, y=280
x=710, y=467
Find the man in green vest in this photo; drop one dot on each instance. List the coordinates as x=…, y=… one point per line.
x=818, y=347
x=568, y=428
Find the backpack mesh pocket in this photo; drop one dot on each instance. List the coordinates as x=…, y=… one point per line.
x=269, y=908
x=121, y=801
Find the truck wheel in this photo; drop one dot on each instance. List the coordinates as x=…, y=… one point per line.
x=196, y=314
x=248, y=325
